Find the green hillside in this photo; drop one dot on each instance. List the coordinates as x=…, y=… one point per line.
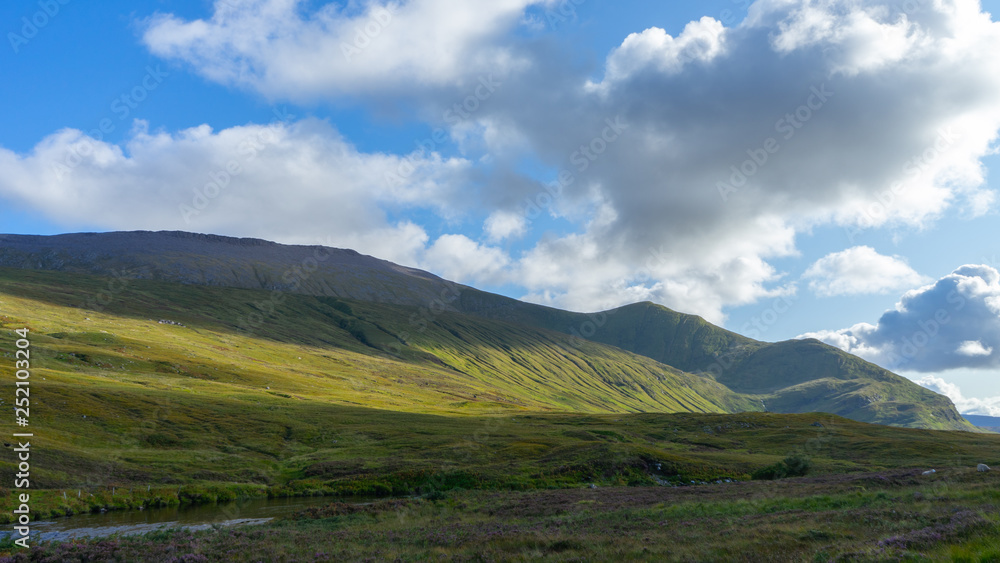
x=195, y=396
x=794, y=376
x=686, y=342
x=482, y=348
x=347, y=351
x=333, y=396
x=522, y=354
x=198, y=398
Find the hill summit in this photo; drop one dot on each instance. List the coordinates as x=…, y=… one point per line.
x=640, y=357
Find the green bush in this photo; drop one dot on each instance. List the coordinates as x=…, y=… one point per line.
x=769, y=473
x=791, y=466
x=797, y=465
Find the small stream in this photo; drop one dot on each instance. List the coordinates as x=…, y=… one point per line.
x=129, y=522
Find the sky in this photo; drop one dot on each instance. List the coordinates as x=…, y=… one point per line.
x=783, y=168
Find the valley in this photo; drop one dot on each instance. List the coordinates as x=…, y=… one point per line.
x=156, y=392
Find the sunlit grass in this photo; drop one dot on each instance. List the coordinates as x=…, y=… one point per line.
x=129, y=412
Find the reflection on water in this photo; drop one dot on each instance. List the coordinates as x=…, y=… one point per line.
x=128, y=522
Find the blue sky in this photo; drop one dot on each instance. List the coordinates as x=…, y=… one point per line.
x=120, y=115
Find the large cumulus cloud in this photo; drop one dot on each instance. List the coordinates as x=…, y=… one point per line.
x=297, y=181
x=953, y=323
x=851, y=113
x=290, y=49
x=678, y=168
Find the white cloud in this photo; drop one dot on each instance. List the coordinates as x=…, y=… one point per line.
x=459, y=258
x=649, y=220
x=868, y=36
x=592, y=270
x=989, y=406
x=292, y=182
x=403, y=243
x=954, y=323
x=654, y=48
x=852, y=113
x=504, y=224
x=848, y=113
x=282, y=48
x=860, y=270
x=973, y=348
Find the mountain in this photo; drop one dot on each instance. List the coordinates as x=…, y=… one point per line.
x=991, y=423
x=455, y=364
x=641, y=357
x=794, y=376
x=224, y=261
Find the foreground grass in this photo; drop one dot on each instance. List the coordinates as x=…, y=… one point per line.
x=888, y=516
x=312, y=449
x=128, y=412
x=316, y=400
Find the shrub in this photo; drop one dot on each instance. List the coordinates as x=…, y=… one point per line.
x=771, y=472
x=797, y=465
x=791, y=466
x=436, y=495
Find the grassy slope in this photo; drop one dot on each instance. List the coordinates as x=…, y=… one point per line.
x=119, y=398
x=796, y=375
x=122, y=397
x=686, y=342
x=333, y=350
x=462, y=406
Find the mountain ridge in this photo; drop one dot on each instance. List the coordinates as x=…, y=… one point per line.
x=249, y=263
x=795, y=375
